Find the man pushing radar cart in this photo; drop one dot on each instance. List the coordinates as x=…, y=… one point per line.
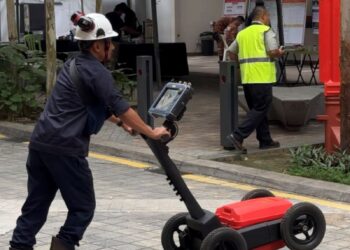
x=259, y=221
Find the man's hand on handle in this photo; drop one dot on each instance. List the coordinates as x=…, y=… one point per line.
x=133, y=120
x=160, y=132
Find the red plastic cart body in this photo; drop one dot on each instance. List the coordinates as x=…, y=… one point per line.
x=243, y=214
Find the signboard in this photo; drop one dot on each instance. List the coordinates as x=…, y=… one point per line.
x=234, y=7
x=294, y=18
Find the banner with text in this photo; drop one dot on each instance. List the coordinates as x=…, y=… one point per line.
x=235, y=7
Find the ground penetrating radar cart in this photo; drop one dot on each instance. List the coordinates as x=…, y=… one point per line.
x=259, y=221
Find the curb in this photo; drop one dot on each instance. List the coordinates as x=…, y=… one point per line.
x=233, y=172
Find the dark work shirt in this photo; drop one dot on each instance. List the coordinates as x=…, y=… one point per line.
x=60, y=128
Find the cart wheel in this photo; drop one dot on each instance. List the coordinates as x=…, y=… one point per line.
x=257, y=193
x=175, y=233
x=303, y=226
x=224, y=238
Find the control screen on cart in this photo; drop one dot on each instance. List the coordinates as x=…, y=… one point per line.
x=167, y=100
x=171, y=101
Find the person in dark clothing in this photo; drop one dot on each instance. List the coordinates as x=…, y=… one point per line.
x=60, y=141
x=116, y=21
x=124, y=19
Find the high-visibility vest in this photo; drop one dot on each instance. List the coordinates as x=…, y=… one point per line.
x=256, y=66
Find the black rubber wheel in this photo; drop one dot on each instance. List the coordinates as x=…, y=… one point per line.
x=257, y=193
x=175, y=234
x=224, y=238
x=303, y=226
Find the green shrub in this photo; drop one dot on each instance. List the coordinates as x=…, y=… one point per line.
x=125, y=83
x=21, y=81
x=315, y=162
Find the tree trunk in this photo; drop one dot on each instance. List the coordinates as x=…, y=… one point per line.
x=345, y=76
x=98, y=6
x=82, y=5
x=50, y=45
x=11, y=21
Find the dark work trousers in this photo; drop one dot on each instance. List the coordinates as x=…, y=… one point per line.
x=259, y=98
x=48, y=173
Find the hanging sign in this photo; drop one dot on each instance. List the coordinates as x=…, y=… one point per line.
x=234, y=7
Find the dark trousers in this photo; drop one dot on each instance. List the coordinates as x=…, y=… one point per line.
x=259, y=98
x=48, y=173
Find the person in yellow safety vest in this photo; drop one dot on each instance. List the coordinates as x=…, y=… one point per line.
x=256, y=47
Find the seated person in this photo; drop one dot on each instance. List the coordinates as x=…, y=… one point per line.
x=116, y=22
x=227, y=26
x=124, y=19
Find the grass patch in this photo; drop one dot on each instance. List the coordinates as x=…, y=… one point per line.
x=306, y=161
x=319, y=173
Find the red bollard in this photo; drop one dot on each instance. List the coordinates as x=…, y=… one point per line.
x=329, y=55
x=332, y=120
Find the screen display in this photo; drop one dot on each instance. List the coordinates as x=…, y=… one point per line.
x=168, y=100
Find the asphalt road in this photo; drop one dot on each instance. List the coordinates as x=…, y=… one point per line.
x=133, y=203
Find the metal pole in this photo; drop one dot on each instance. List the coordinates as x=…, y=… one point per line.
x=280, y=21
x=82, y=5
x=156, y=42
x=247, y=9
x=280, y=33
x=144, y=87
x=228, y=101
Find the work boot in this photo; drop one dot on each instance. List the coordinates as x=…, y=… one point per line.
x=237, y=143
x=271, y=144
x=58, y=244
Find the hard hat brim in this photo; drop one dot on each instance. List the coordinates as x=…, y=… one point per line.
x=89, y=38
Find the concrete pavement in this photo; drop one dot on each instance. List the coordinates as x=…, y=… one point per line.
x=197, y=145
x=133, y=204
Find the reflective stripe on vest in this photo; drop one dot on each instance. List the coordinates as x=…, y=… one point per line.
x=256, y=66
x=258, y=59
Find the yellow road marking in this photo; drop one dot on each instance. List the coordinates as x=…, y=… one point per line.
x=2, y=136
x=119, y=160
x=230, y=184
x=225, y=183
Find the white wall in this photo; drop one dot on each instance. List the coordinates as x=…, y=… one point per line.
x=194, y=17
x=108, y=5
x=63, y=13
x=166, y=20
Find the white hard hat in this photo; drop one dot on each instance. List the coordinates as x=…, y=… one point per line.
x=99, y=28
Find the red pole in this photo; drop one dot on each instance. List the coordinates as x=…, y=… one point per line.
x=329, y=54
